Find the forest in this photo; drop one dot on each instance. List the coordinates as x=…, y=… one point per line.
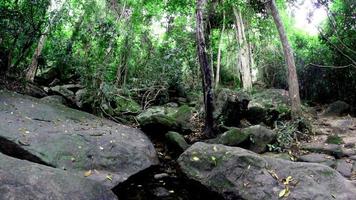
x=177, y=99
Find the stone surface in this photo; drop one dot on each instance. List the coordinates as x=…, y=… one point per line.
x=229, y=106
x=54, y=99
x=65, y=138
x=23, y=180
x=268, y=106
x=255, y=138
x=344, y=166
x=176, y=142
x=337, y=108
x=237, y=173
x=335, y=150
x=318, y=158
x=159, y=120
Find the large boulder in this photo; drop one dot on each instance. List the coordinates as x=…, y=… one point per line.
x=337, y=108
x=67, y=91
x=255, y=138
x=158, y=120
x=58, y=136
x=230, y=106
x=236, y=173
x=268, y=105
x=20, y=179
x=176, y=142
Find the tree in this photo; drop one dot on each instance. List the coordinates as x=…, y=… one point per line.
x=217, y=77
x=293, y=85
x=206, y=71
x=243, y=58
x=32, y=70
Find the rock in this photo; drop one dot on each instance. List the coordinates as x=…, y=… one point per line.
x=332, y=149
x=80, y=99
x=160, y=176
x=46, y=76
x=176, y=142
x=236, y=173
x=284, y=156
x=65, y=138
x=229, y=106
x=63, y=91
x=344, y=167
x=334, y=139
x=126, y=105
x=159, y=120
x=183, y=119
x=54, y=99
x=318, y=158
x=255, y=138
x=260, y=137
x=233, y=137
x=337, y=108
x=25, y=180
x=268, y=106
x=161, y=192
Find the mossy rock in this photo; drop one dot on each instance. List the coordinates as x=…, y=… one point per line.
x=183, y=118
x=126, y=105
x=176, y=142
x=233, y=137
x=334, y=139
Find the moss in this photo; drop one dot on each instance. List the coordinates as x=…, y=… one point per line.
x=334, y=139
x=233, y=137
x=126, y=105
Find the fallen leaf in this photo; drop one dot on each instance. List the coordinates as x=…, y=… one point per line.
x=109, y=177
x=287, y=180
x=284, y=193
x=87, y=173
x=215, y=149
x=196, y=158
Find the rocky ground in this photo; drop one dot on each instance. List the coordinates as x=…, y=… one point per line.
x=50, y=150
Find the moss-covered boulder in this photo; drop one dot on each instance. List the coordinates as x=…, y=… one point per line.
x=58, y=136
x=268, y=106
x=337, y=108
x=159, y=120
x=233, y=137
x=25, y=180
x=255, y=138
x=230, y=106
x=236, y=173
x=176, y=142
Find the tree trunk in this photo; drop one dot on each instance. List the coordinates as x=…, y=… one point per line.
x=243, y=55
x=206, y=71
x=217, y=77
x=293, y=85
x=32, y=70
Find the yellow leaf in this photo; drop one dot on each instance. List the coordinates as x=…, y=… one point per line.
x=196, y=158
x=87, y=173
x=109, y=177
x=284, y=193
x=213, y=158
x=288, y=179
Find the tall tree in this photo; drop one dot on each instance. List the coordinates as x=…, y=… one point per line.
x=243, y=57
x=293, y=85
x=217, y=77
x=32, y=69
x=206, y=71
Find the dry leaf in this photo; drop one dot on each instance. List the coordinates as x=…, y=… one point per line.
x=196, y=158
x=284, y=193
x=109, y=177
x=87, y=173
